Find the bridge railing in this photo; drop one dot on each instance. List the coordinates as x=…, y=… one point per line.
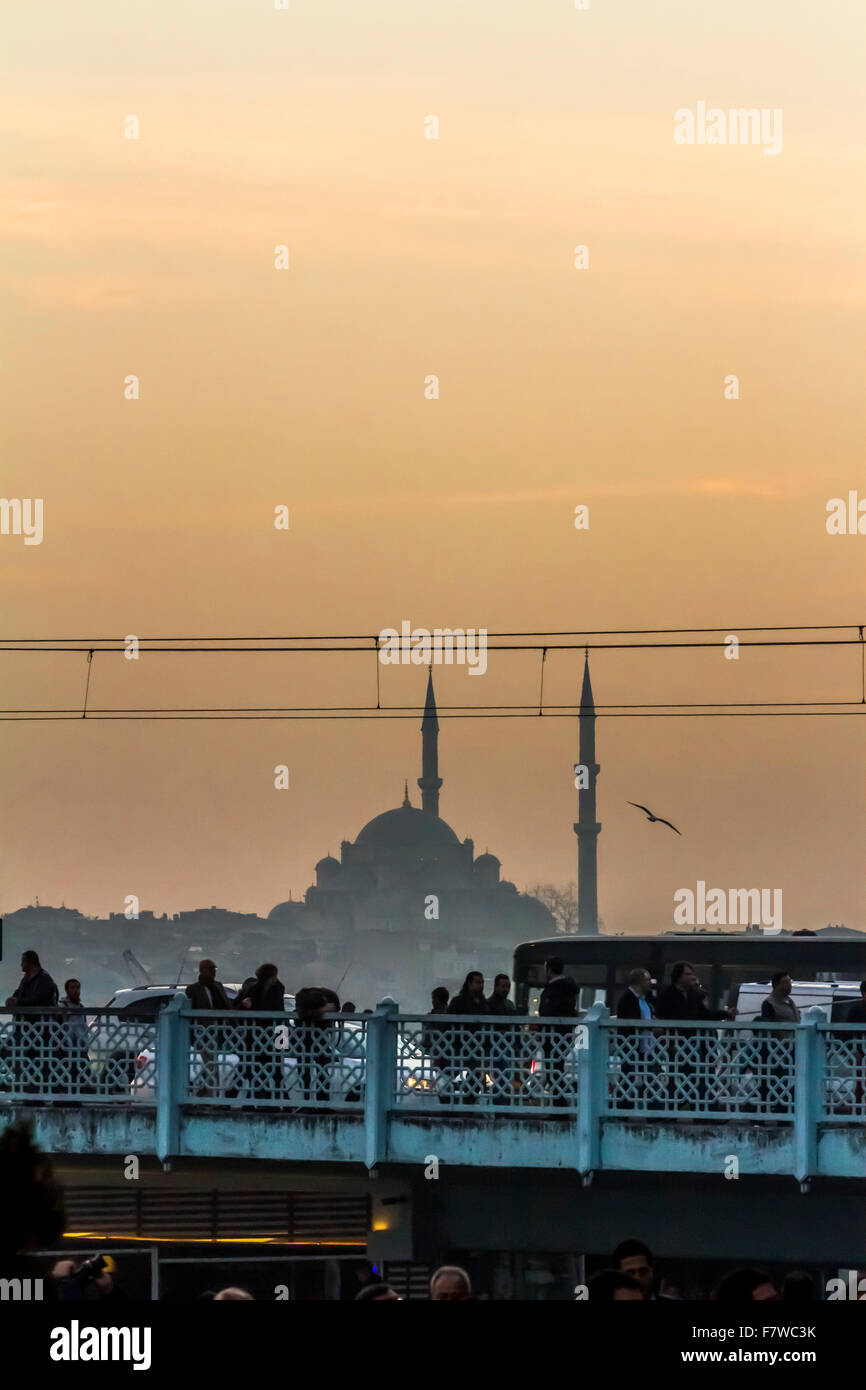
x=503, y=1063
x=843, y=1072
x=266, y=1060
x=700, y=1070
x=387, y=1063
x=92, y=1055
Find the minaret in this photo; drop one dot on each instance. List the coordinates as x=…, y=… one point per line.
x=430, y=781
x=587, y=827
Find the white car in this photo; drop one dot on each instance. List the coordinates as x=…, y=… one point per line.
x=117, y=1045
x=834, y=998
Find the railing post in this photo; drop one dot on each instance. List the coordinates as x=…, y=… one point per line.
x=172, y=1074
x=591, y=1089
x=380, y=1080
x=808, y=1095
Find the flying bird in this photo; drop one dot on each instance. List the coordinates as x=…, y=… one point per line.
x=650, y=815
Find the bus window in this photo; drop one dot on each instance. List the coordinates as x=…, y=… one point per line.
x=589, y=995
x=590, y=980
x=586, y=974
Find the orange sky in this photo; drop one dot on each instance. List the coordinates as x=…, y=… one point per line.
x=409, y=257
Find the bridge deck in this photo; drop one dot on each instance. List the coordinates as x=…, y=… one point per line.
x=587, y=1095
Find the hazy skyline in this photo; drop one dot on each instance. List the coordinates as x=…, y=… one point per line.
x=558, y=387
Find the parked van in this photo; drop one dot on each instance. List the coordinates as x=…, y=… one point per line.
x=833, y=997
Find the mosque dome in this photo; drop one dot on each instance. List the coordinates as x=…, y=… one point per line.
x=408, y=829
x=486, y=868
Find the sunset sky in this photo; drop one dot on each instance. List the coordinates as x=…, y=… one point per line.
x=558, y=387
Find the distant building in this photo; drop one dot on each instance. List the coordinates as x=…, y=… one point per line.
x=408, y=899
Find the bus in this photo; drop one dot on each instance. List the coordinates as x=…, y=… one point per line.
x=723, y=961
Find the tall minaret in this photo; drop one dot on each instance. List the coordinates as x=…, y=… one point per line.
x=430, y=781
x=587, y=827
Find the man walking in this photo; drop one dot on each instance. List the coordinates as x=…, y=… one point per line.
x=778, y=1081
x=779, y=1007
x=637, y=1043
x=313, y=1042
x=558, y=1000
x=684, y=999
x=36, y=987
x=635, y=1002
x=499, y=1002
x=438, y=1060
x=469, y=1045
x=76, y=1039
x=34, y=1035
x=439, y=1000
x=207, y=993
x=264, y=1068
x=503, y=1041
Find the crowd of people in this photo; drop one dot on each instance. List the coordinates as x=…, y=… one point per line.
x=681, y=999
x=631, y=1277
x=262, y=991
x=474, y=1059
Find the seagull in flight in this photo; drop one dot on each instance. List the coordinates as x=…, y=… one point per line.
x=650, y=815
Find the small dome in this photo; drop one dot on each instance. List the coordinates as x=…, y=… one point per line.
x=327, y=871
x=486, y=870
x=290, y=915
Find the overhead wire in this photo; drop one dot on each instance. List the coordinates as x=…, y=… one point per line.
x=664, y=709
